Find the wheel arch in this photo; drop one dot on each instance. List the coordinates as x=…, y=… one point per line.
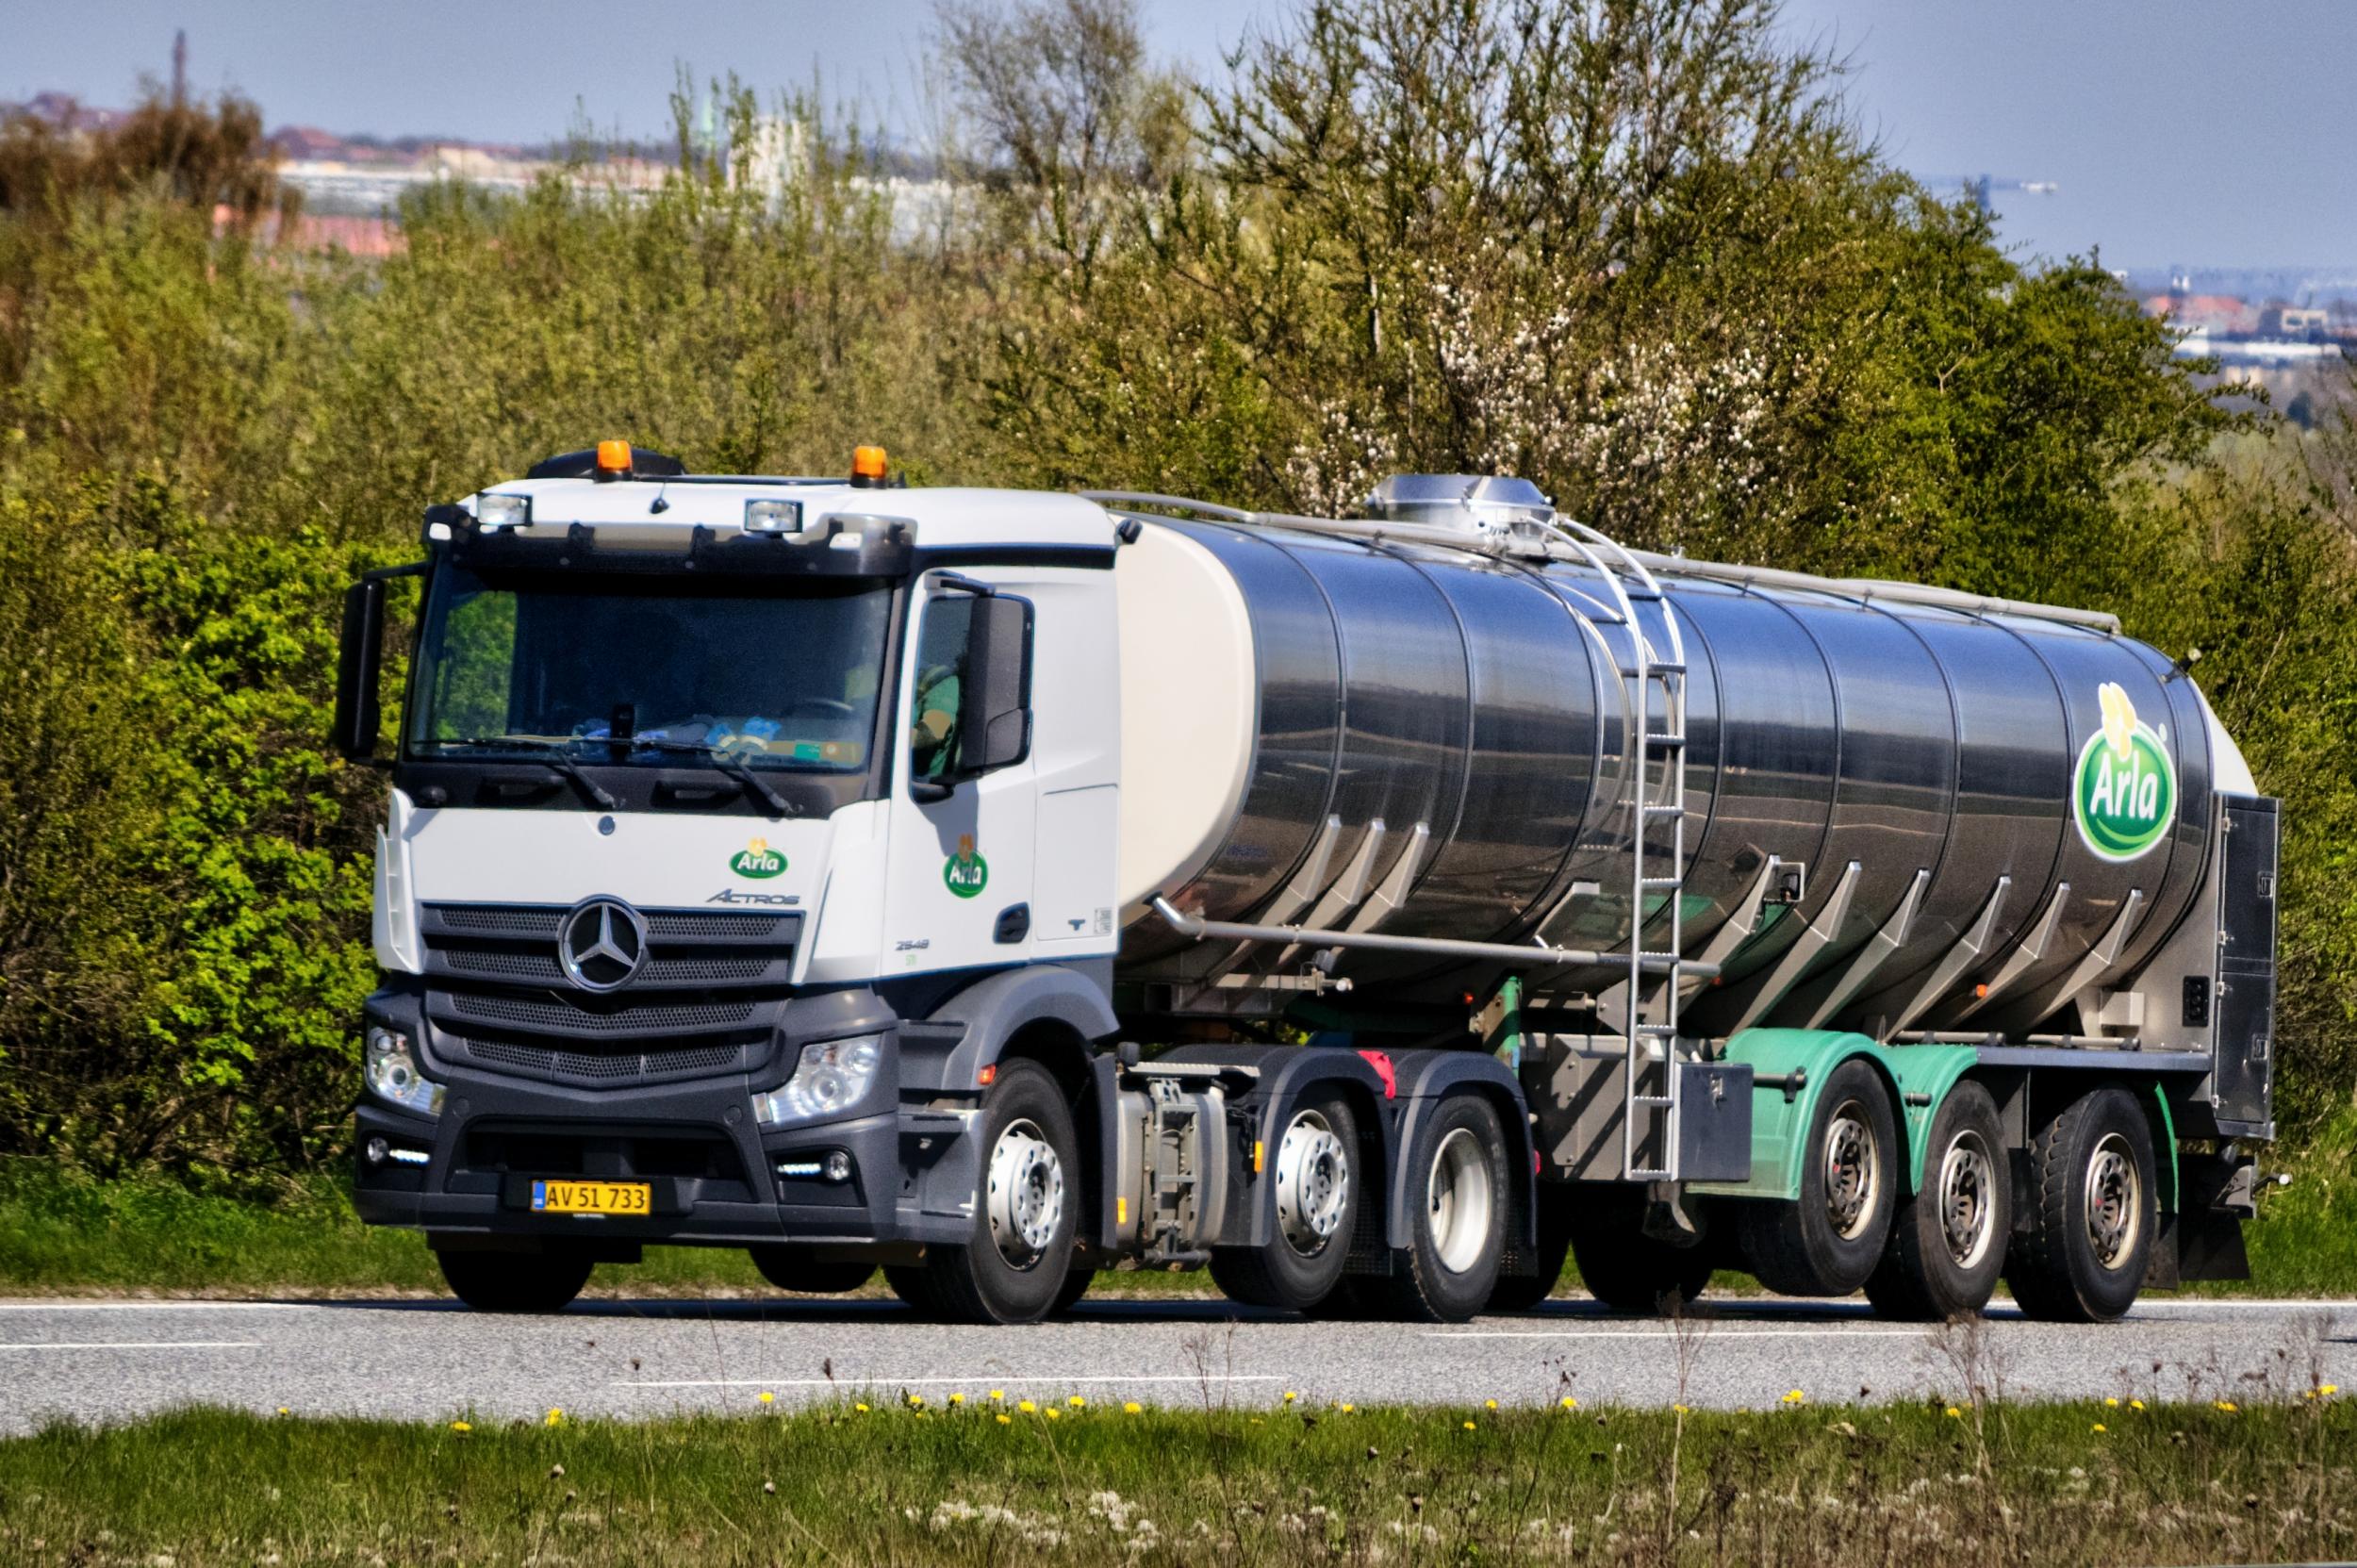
x=1424, y=1079
x=1917, y=1079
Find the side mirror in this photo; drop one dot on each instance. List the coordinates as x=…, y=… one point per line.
x=995, y=697
x=359, y=663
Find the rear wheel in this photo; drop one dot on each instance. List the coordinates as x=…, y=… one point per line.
x=536, y=1282
x=1830, y=1240
x=2093, y=1212
x=1948, y=1241
x=1317, y=1209
x=1631, y=1272
x=1017, y=1265
x=792, y=1268
x=1456, y=1228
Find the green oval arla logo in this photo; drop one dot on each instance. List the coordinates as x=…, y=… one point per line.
x=966, y=873
x=2124, y=793
x=757, y=860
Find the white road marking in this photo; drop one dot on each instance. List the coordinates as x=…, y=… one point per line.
x=159, y=1306
x=1056, y=1377
x=144, y=1345
x=1842, y=1331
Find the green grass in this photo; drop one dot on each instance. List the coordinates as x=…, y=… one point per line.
x=1902, y=1484
x=63, y=1232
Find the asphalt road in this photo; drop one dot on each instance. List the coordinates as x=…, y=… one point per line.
x=115, y=1359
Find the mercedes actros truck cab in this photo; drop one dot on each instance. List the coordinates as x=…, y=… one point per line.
x=995, y=887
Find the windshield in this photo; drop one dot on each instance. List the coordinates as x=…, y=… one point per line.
x=650, y=671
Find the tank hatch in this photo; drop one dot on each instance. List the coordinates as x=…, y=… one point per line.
x=1495, y=510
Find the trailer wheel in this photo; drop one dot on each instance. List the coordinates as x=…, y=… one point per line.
x=792, y=1268
x=2093, y=1212
x=1457, y=1219
x=535, y=1282
x=1317, y=1210
x=1631, y=1272
x=1519, y=1293
x=1020, y=1256
x=1948, y=1239
x=1829, y=1240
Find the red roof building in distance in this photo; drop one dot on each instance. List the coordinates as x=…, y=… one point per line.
x=2203, y=312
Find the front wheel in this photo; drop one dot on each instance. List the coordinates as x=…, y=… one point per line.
x=527, y=1282
x=1948, y=1241
x=2093, y=1212
x=1017, y=1262
x=1456, y=1231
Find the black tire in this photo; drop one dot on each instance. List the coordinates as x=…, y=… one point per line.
x=1009, y=1272
x=1948, y=1238
x=535, y=1282
x=1316, y=1177
x=1519, y=1293
x=2093, y=1198
x=791, y=1269
x=1076, y=1285
x=1631, y=1272
x=1830, y=1241
x=1456, y=1223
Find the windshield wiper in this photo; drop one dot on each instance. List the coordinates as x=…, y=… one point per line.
x=726, y=762
x=550, y=752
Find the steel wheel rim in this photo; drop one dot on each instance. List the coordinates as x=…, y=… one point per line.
x=1460, y=1200
x=1853, y=1173
x=1026, y=1193
x=2114, y=1191
x=1312, y=1182
x=1968, y=1200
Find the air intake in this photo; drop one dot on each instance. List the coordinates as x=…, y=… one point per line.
x=1495, y=509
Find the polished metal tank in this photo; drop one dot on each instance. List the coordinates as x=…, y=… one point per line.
x=1878, y=781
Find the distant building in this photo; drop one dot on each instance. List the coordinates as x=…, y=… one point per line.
x=2294, y=321
x=2202, y=313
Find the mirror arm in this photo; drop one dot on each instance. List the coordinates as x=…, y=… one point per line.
x=964, y=585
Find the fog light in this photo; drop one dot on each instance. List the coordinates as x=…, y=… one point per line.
x=376, y=1150
x=838, y=1166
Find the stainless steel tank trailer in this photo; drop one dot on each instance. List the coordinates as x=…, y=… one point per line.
x=996, y=887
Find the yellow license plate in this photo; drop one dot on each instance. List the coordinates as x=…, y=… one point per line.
x=590, y=1197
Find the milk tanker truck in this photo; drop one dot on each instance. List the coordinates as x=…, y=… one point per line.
x=996, y=887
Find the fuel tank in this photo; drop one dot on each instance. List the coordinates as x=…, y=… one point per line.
x=1898, y=806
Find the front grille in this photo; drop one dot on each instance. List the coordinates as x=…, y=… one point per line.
x=705, y=999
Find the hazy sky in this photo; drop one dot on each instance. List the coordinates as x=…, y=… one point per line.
x=2206, y=132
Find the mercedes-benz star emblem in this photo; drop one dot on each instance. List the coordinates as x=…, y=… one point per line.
x=601, y=944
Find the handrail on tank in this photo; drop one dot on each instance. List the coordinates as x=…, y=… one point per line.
x=1535, y=956
x=1565, y=546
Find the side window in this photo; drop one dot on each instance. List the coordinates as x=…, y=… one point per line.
x=941, y=644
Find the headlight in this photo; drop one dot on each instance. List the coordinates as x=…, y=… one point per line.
x=502, y=511
x=831, y=1078
x=393, y=1074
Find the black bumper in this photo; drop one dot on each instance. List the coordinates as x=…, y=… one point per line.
x=710, y=1167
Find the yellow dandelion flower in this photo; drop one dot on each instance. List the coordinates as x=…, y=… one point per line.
x=861, y=1408
x=1348, y=1406
x=1955, y=1412
x=1054, y=1415
x=1077, y=1402
x=462, y=1428
x=2099, y=1427
x=2136, y=1404
x=1027, y=1407
x=766, y=1398
x=998, y=1394
x=1796, y=1397
x=957, y=1398
x=917, y=1401
x=1568, y=1403
x=2111, y=1403
x=2227, y=1405
x=555, y=1418
x=1131, y=1408
x=282, y=1409
x=1683, y=1409
x=1005, y=1420
x=1291, y=1396
x=1468, y=1426
x=2328, y=1390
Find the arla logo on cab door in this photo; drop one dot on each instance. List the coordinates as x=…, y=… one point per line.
x=757, y=860
x=966, y=873
x=2124, y=793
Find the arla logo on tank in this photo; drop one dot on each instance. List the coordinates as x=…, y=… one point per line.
x=2124, y=793
x=757, y=860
